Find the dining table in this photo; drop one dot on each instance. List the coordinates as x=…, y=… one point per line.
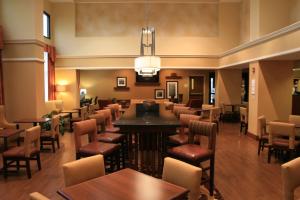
x=35, y=120
x=7, y=133
x=146, y=126
x=126, y=184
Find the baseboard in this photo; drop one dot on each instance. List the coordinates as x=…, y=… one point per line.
x=252, y=135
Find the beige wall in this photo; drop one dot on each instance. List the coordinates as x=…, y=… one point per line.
x=273, y=89
x=101, y=83
x=70, y=97
x=245, y=21
x=67, y=43
x=276, y=14
x=228, y=86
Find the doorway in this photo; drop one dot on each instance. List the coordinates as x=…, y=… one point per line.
x=196, y=88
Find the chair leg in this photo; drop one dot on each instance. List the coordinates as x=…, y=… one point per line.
x=269, y=154
x=259, y=147
x=211, y=176
x=5, y=167
x=246, y=129
x=38, y=159
x=57, y=141
x=28, y=168
x=241, y=127
x=53, y=144
x=18, y=165
x=118, y=160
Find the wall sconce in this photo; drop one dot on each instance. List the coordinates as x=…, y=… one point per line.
x=61, y=88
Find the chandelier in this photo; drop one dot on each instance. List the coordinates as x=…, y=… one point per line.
x=147, y=64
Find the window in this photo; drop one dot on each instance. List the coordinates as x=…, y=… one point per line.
x=46, y=75
x=46, y=25
x=212, y=90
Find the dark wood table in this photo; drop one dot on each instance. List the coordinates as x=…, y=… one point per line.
x=34, y=121
x=6, y=133
x=70, y=112
x=147, y=129
x=126, y=184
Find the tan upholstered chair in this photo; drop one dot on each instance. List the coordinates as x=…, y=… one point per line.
x=295, y=119
x=109, y=127
x=108, y=137
x=3, y=121
x=278, y=130
x=108, y=150
x=115, y=110
x=244, y=119
x=263, y=136
x=29, y=151
x=182, y=137
x=84, y=169
x=184, y=175
x=92, y=109
x=177, y=110
x=37, y=196
x=83, y=115
x=52, y=135
x=196, y=154
x=290, y=172
x=206, y=110
x=214, y=116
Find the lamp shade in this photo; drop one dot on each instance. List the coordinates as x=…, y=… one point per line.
x=147, y=65
x=60, y=88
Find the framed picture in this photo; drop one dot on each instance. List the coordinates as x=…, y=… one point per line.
x=172, y=89
x=121, y=81
x=159, y=93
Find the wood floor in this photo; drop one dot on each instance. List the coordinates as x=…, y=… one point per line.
x=240, y=173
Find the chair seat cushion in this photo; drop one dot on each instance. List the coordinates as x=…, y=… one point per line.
x=18, y=152
x=110, y=137
x=112, y=129
x=284, y=143
x=179, y=139
x=191, y=152
x=95, y=148
x=46, y=134
x=265, y=137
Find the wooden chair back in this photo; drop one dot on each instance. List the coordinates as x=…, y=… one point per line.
x=86, y=127
x=32, y=140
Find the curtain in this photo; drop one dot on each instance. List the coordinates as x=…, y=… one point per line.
x=51, y=71
x=1, y=68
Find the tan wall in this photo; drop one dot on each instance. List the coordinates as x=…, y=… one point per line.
x=272, y=98
x=101, y=83
x=228, y=86
x=67, y=43
x=276, y=14
x=245, y=21
x=24, y=93
x=70, y=97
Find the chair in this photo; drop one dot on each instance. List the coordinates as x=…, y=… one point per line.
x=263, y=136
x=83, y=114
x=115, y=110
x=84, y=169
x=108, y=150
x=227, y=112
x=182, y=137
x=95, y=101
x=3, y=121
x=109, y=127
x=92, y=109
x=243, y=119
x=278, y=130
x=29, y=151
x=206, y=110
x=37, y=196
x=107, y=137
x=195, y=154
x=214, y=116
x=295, y=119
x=51, y=136
x=184, y=175
x=290, y=173
x=179, y=109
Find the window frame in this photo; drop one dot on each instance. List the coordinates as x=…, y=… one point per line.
x=212, y=85
x=48, y=36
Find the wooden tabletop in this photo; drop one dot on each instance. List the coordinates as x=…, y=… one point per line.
x=69, y=111
x=32, y=120
x=126, y=184
x=9, y=132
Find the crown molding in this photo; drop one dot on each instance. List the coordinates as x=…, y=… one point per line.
x=26, y=41
x=23, y=60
